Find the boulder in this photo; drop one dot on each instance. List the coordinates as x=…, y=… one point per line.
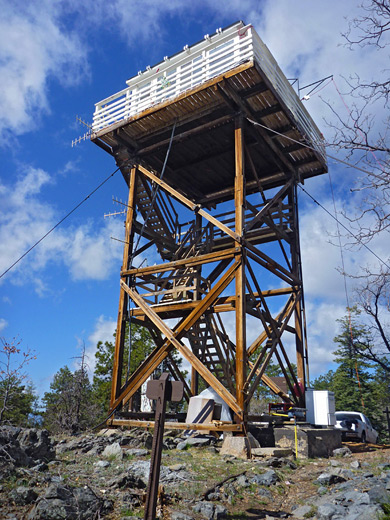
x=113, y=451
x=37, y=444
x=62, y=502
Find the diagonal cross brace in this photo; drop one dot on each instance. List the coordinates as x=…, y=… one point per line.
x=159, y=354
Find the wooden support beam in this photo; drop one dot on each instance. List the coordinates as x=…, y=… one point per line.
x=213, y=426
x=159, y=354
x=121, y=320
x=171, y=337
x=185, y=262
x=187, y=202
x=239, y=201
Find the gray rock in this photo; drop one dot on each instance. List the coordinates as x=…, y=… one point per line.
x=330, y=511
x=302, y=512
x=23, y=495
x=327, y=479
x=355, y=464
x=242, y=481
x=357, y=498
x=42, y=466
x=378, y=494
x=102, y=464
x=137, y=452
x=61, y=502
x=370, y=512
x=205, y=509
x=37, y=444
x=178, y=515
x=266, y=479
x=220, y=512
x=141, y=469
x=342, y=452
x=113, y=450
x=126, y=480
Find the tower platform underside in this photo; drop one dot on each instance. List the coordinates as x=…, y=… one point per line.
x=236, y=154
x=201, y=162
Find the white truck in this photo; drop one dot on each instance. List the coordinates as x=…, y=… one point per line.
x=356, y=426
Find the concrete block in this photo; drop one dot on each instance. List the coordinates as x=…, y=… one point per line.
x=312, y=442
x=271, y=452
x=236, y=446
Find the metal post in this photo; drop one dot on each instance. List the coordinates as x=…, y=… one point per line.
x=162, y=390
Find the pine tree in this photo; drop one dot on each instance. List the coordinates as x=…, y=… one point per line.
x=141, y=346
x=352, y=382
x=69, y=406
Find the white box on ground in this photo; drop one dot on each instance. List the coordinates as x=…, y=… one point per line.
x=320, y=405
x=200, y=410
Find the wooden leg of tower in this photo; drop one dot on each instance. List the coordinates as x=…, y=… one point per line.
x=301, y=373
x=116, y=382
x=239, y=197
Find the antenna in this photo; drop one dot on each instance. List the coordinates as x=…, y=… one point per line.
x=315, y=85
x=123, y=212
x=84, y=137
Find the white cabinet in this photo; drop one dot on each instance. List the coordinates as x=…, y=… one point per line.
x=320, y=405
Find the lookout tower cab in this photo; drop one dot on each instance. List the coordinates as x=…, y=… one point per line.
x=212, y=143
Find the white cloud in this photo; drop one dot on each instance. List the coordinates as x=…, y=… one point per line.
x=86, y=251
x=3, y=324
x=103, y=331
x=34, y=47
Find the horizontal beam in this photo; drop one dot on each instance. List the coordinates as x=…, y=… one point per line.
x=186, y=262
x=214, y=426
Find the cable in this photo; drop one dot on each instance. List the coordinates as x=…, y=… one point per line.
x=60, y=222
x=304, y=145
x=346, y=292
x=345, y=227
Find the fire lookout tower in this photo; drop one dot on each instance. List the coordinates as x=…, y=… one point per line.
x=212, y=143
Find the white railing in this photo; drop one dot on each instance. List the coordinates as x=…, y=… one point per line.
x=195, y=65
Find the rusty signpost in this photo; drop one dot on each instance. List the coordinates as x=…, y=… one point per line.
x=161, y=390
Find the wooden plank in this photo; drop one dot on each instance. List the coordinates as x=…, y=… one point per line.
x=271, y=264
x=185, y=351
x=239, y=201
x=185, y=262
x=121, y=323
x=159, y=354
x=214, y=426
x=268, y=206
x=186, y=135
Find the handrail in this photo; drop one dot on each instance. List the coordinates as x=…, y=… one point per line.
x=196, y=65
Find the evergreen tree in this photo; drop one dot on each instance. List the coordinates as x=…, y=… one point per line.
x=69, y=406
x=141, y=346
x=352, y=381
x=17, y=398
x=324, y=381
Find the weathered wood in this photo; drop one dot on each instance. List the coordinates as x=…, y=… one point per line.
x=159, y=354
x=121, y=322
x=214, y=426
x=185, y=262
x=172, y=338
x=187, y=202
x=239, y=201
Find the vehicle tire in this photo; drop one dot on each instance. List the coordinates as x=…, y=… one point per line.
x=363, y=438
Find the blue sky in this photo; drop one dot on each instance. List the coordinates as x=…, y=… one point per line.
x=58, y=58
